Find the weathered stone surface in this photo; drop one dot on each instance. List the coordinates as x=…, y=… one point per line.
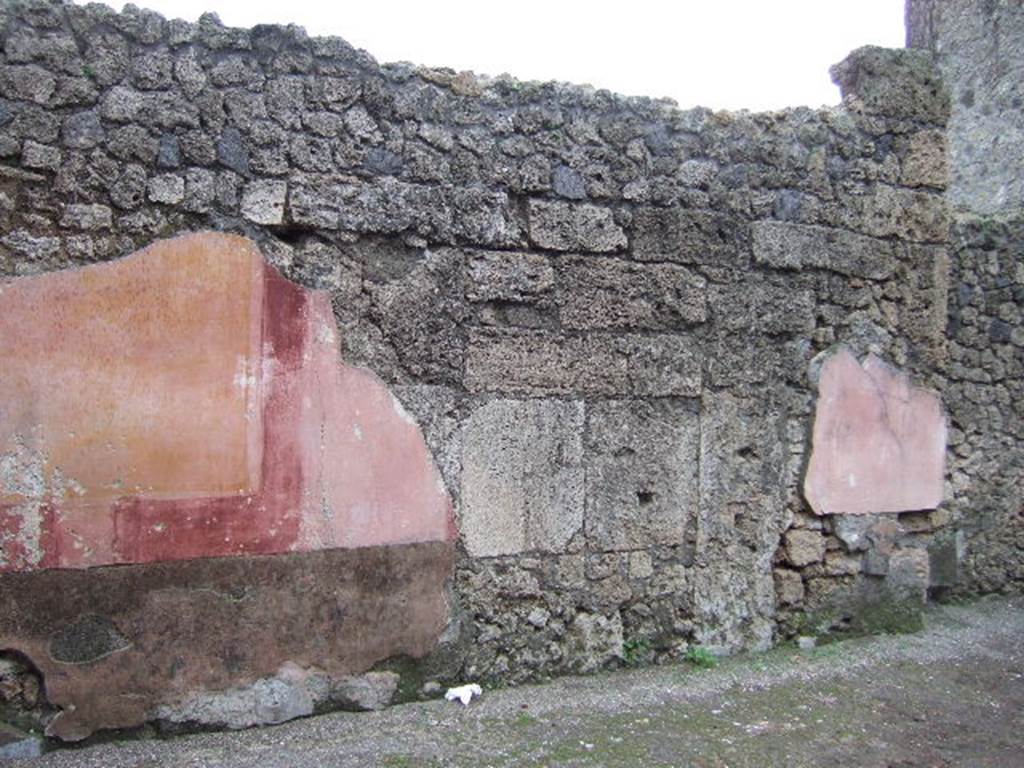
x=82, y=130
x=879, y=443
x=263, y=201
x=853, y=531
x=512, y=277
x=656, y=365
x=610, y=293
x=291, y=693
x=257, y=625
x=365, y=693
x=909, y=572
x=488, y=238
x=595, y=641
x=641, y=474
x=798, y=246
x=188, y=401
x=387, y=206
x=804, y=547
x=86, y=217
x=15, y=744
x=898, y=83
x=741, y=518
x=789, y=586
x=522, y=477
x=567, y=227
x=40, y=156
x=760, y=307
x=979, y=51
x=925, y=164
x=168, y=188
x=688, y=237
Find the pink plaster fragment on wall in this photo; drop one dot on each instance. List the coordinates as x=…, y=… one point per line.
x=879, y=443
x=188, y=401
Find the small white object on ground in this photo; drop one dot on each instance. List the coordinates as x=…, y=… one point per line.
x=806, y=643
x=464, y=693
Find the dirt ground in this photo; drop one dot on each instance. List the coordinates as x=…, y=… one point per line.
x=952, y=695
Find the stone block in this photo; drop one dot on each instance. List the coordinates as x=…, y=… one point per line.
x=365, y=693
x=417, y=301
x=641, y=473
x=15, y=744
x=641, y=565
x=689, y=236
x=789, y=586
x=82, y=130
x=945, y=554
x=759, y=307
x=916, y=215
x=534, y=362
x=263, y=201
x=167, y=188
x=27, y=83
x=878, y=444
x=804, y=547
x=853, y=531
x=785, y=245
x=842, y=564
x=40, y=156
x=290, y=694
x=509, y=276
x=522, y=477
x=86, y=217
x=742, y=516
x=562, y=226
x=610, y=293
x=925, y=164
x=909, y=572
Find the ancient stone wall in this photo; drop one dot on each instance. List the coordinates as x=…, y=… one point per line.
x=607, y=315
x=979, y=48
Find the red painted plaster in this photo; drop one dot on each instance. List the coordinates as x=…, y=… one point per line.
x=188, y=401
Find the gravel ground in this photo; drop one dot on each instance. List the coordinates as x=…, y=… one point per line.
x=952, y=695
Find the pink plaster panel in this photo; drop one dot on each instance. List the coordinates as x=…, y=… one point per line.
x=879, y=443
x=188, y=401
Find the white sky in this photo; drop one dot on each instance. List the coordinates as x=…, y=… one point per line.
x=729, y=54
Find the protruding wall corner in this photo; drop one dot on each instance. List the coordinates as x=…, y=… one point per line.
x=893, y=83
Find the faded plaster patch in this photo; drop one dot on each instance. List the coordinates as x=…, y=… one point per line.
x=879, y=442
x=23, y=467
